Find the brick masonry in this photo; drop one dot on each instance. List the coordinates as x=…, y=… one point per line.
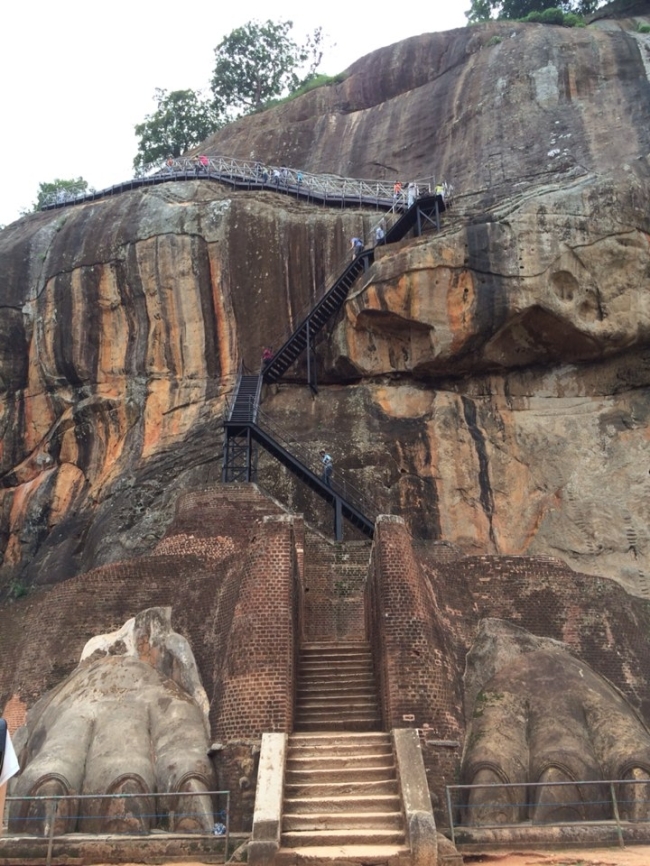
x=248, y=583
x=424, y=610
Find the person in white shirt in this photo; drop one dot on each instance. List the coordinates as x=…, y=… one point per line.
x=8, y=766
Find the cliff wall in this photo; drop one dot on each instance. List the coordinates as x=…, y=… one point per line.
x=489, y=383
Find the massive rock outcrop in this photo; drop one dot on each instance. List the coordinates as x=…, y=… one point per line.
x=488, y=382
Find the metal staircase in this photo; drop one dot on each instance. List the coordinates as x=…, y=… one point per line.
x=246, y=428
x=425, y=211
x=240, y=457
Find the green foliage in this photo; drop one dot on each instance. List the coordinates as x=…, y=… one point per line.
x=494, y=40
x=18, y=589
x=573, y=20
x=258, y=62
x=312, y=83
x=182, y=119
x=643, y=28
x=58, y=189
x=486, y=10
x=552, y=16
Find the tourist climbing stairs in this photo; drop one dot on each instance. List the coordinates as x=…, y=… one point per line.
x=427, y=207
x=341, y=793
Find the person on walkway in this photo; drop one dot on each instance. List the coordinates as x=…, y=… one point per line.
x=411, y=194
x=205, y=162
x=440, y=190
x=380, y=235
x=397, y=191
x=357, y=247
x=328, y=467
x=276, y=177
x=267, y=356
x=170, y=164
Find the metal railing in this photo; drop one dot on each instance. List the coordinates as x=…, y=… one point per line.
x=324, y=188
x=613, y=801
x=309, y=457
x=57, y=816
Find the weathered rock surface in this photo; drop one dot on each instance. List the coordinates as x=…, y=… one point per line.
x=490, y=383
x=547, y=717
x=125, y=721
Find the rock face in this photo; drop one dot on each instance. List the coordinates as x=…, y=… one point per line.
x=495, y=374
x=489, y=382
x=545, y=717
x=107, y=728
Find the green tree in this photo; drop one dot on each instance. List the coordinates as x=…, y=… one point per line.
x=258, y=61
x=484, y=10
x=181, y=120
x=58, y=190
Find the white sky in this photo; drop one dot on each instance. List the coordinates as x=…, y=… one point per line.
x=75, y=77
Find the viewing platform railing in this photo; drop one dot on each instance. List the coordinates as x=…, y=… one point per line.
x=251, y=174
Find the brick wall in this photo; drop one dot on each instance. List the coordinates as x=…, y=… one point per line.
x=334, y=582
x=259, y=637
x=255, y=692
x=409, y=646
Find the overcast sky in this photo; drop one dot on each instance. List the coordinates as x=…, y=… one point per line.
x=75, y=77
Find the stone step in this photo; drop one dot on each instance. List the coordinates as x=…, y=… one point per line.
x=320, y=726
x=314, y=658
x=338, y=714
x=342, y=751
x=357, y=836
x=350, y=739
x=335, y=683
x=342, y=820
x=369, y=855
x=335, y=702
x=313, y=708
x=345, y=803
x=321, y=646
x=336, y=658
x=340, y=789
x=336, y=761
x=340, y=774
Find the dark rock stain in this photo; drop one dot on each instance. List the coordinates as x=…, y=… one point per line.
x=486, y=497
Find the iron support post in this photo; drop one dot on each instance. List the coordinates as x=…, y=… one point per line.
x=338, y=519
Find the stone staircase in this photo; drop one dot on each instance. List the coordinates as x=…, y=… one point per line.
x=336, y=688
x=341, y=792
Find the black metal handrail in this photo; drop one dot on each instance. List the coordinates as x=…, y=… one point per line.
x=341, y=484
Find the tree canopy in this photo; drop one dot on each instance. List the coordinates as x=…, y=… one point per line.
x=181, y=120
x=484, y=10
x=59, y=190
x=258, y=61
